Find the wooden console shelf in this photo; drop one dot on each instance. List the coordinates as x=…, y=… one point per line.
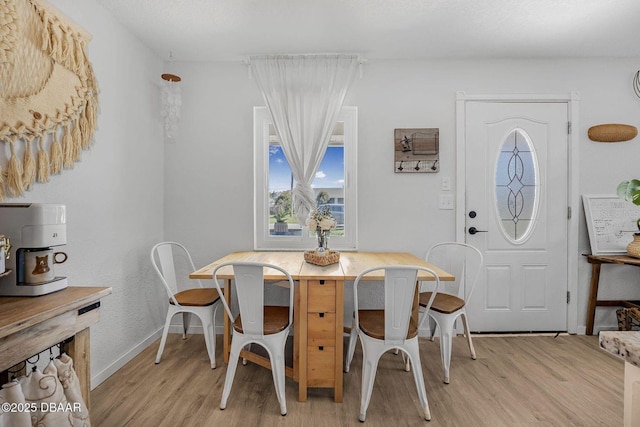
x=29, y=325
x=596, y=261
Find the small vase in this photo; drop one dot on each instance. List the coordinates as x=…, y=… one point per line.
x=323, y=240
x=633, y=249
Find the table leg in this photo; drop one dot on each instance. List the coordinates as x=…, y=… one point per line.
x=79, y=350
x=301, y=343
x=339, y=369
x=593, y=296
x=296, y=334
x=226, y=340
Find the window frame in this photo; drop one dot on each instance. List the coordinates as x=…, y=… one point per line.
x=262, y=239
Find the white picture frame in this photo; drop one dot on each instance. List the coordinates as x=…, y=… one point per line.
x=611, y=223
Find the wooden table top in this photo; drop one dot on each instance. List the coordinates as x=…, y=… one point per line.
x=18, y=313
x=613, y=259
x=351, y=264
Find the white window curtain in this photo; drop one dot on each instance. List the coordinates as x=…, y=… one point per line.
x=304, y=95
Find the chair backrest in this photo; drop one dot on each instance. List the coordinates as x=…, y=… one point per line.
x=249, y=286
x=400, y=298
x=162, y=259
x=460, y=259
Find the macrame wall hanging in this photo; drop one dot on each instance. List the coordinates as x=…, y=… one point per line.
x=48, y=94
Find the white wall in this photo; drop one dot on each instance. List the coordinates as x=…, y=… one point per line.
x=209, y=190
x=114, y=195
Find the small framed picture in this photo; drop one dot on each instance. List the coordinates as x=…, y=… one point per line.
x=416, y=150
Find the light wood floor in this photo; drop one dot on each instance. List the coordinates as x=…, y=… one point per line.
x=515, y=381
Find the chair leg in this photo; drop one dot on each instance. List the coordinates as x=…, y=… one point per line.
x=432, y=328
x=209, y=337
x=369, y=367
x=413, y=354
x=353, y=339
x=407, y=362
x=465, y=322
x=424, y=316
x=234, y=354
x=186, y=319
x=163, y=341
x=446, y=324
x=247, y=348
x=277, y=370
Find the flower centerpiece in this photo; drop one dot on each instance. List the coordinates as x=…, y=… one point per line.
x=322, y=222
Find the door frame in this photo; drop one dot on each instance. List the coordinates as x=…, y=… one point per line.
x=572, y=99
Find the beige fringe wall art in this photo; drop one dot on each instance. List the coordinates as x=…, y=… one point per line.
x=48, y=94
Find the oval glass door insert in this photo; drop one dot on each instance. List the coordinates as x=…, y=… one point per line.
x=516, y=186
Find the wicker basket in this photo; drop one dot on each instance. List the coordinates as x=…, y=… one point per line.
x=328, y=258
x=628, y=319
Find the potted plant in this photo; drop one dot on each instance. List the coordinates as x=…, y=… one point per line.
x=280, y=215
x=630, y=191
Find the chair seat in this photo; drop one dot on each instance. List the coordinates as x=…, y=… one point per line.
x=276, y=319
x=442, y=303
x=198, y=297
x=372, y=324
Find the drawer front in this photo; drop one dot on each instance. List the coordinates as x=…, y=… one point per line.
x=321, y=368
x=321, y=296
x=321, y=329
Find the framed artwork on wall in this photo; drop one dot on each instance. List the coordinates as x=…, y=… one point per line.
x=416, y=150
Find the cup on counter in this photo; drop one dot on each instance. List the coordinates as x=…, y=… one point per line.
x=39, y=265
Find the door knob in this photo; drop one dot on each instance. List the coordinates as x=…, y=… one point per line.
x=473, y=230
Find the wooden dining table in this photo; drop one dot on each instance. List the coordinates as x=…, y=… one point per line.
x=318, y=308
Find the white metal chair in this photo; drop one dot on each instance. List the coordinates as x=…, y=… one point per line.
x=395, y=327
x=265, y=325
x=465, y=263
x=201, y=301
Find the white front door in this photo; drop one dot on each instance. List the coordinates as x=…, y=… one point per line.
x=516, y=214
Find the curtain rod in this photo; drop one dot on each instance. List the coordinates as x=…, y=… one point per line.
x=361, y=59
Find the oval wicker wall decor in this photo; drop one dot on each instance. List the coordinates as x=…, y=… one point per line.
x=612, y=133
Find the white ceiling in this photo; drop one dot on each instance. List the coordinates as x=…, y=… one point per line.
x=212, y=30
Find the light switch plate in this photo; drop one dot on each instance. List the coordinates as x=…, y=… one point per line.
x=446, y=183
x=446, y=201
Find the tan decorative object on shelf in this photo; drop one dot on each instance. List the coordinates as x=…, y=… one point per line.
x=633, y=249
x=612, y=133
x=325, y=258
x=48, y=94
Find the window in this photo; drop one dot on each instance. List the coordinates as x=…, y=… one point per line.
x=276, y=226
x=516, y=186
